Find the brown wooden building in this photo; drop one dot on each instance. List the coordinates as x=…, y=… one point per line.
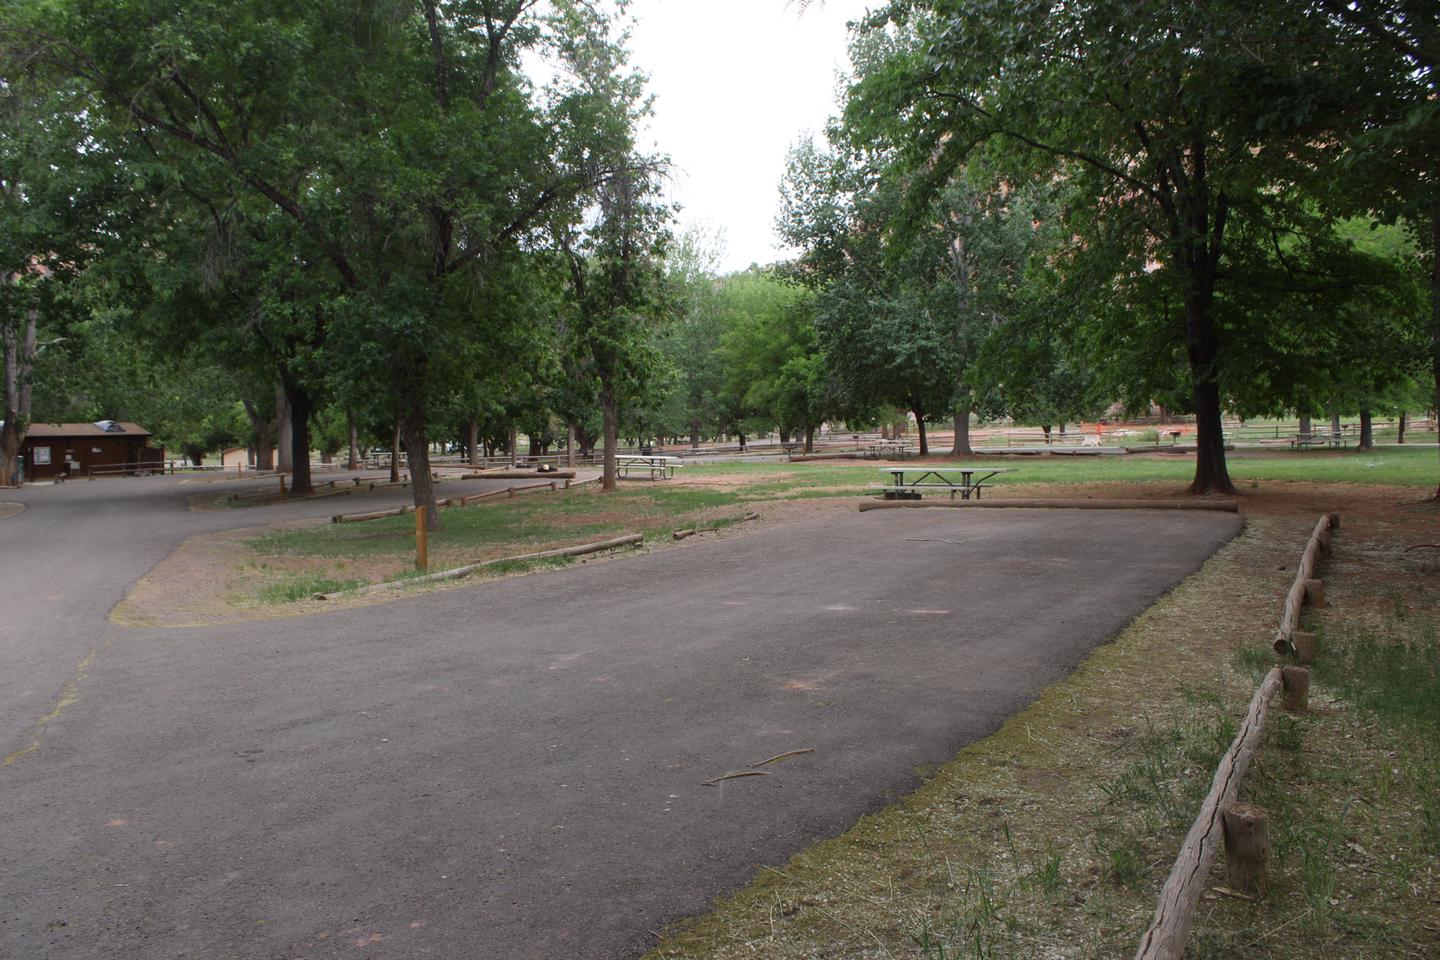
x=76, y=449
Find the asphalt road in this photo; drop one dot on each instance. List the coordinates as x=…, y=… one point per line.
x=511, y=769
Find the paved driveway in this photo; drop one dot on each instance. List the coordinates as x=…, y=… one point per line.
x=515, y=769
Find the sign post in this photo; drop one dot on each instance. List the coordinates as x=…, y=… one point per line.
x=422, y=541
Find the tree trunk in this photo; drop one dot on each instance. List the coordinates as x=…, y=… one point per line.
x=1211, y=473
x=1400, y=423
x=1435, y=312
x=694, y=436
x=352, y=462
x=920, y=431
x=298, y=403
x=395, y=451
x=20, y=350
x=1045, y=428
x=472, y=442
x=570, y=440
x=962, y=429
x=611, y=421
x=1367, y=430
x=264, y=428
x=326, y=457
x=1306, y=427
x=512, y=443
x=285, y=437
x=417, y=454
x=1200, y=243
x=809, y=439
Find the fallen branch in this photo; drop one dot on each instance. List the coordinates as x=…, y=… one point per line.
x=735, y=776
x=456, y=573
x=782, y=756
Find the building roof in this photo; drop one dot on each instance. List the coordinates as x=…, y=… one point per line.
x=101, y=428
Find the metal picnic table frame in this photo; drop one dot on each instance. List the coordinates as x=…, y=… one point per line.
x=968, y=483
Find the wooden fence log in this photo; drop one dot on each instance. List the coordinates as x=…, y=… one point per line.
x=1227, y=506
x=1296, y=686
x=455, y=573
x=1246, y=829
x=1175, y=913
x=1304, y=644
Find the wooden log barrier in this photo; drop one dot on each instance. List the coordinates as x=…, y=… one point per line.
x=455, y=573
x=1314, y=594
x=1305, y=645
x=1318, y=544
x=1246, y=829
x=1175, y=913
x=1226, y=506
x=1295, y=682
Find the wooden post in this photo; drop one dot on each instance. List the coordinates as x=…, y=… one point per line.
x=1305, y=645
x=1247, y=848
x=282, y=485
x=1315, y=593
x=422, y=541
x=1295, y=688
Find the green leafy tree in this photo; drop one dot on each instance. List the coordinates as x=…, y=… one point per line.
x=1172, y=131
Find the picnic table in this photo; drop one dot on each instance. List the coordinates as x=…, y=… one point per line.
x=952, y=480
x=656, y=467
x=1303, y=440
x=880, y=448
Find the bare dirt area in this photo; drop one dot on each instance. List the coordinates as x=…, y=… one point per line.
x=1051, y=838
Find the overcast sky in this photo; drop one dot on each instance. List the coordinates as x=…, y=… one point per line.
x=736, y=84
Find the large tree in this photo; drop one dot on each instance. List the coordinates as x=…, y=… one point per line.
x=1175, y=119
x=403, y=143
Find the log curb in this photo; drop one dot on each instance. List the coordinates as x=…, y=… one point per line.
x=1226, y=506
x=1175, y=912
x=455, y=573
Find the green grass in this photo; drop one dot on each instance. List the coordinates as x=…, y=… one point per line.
x=1390, y=466
x=658, y=508
x=303, y=587
x=524, y=521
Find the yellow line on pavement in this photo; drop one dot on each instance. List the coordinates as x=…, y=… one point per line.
x=69, y=696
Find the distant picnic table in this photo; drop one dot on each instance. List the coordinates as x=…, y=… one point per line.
x=883, y=448
x=911, y=482
x=656, y=467
x=1302, y=441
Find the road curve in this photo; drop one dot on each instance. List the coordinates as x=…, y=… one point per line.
x=514, y=769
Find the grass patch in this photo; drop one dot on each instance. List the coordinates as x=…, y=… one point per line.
x=1388, y=466
x=520, y=523
x=303, y=587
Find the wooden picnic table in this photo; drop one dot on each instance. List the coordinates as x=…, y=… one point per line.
x=951, y=480
x=1302, y=440
x=880, y=448
x=657, y=467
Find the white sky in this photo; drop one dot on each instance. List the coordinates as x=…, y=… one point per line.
x=736, y=83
